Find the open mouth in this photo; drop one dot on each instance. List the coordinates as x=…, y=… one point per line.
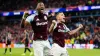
x=41, y=9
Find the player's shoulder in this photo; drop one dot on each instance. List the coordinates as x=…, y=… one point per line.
x=32, y=15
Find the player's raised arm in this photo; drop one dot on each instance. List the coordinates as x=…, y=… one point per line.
x=50, y=15
x=24, y=22
x=75, y=30
x=52, y=26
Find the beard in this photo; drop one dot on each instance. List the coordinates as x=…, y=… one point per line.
x=40, y=15
x=40, y=12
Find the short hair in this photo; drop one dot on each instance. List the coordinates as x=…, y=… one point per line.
x=38, y=5
x=58, y=13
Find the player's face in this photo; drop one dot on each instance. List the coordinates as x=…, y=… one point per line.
x=40, y=7
x=61, y=17
x=24, y=31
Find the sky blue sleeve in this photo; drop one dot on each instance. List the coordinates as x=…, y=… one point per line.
x=30, y=18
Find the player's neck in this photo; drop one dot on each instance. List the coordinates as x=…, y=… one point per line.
x=59, y=21
x=40, y=13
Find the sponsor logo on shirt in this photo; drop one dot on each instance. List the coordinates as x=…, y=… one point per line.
x=42, y=23
x=60, y=30
x=37, y=19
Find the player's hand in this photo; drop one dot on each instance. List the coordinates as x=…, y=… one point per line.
x=25, y=15
x=80, y=26
x=6, y=42
x=53, y=14
x=22, y=41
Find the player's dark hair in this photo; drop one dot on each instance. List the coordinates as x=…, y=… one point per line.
x=40, y=2
x=37, y=5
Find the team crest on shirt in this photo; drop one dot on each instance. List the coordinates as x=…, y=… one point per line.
x=37, y=19
x=59, y=26
x=45, y=17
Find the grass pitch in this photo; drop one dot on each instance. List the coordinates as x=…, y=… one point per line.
x=72, y=52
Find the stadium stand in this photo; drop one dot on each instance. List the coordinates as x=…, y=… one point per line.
x=89, y=34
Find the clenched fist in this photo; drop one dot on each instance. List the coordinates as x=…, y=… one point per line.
x=80, y=26
x=53, y=21
x=25, y=15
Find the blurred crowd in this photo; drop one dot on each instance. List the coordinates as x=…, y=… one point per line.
x=11, y=5
x=16, y=32
x=89, y=34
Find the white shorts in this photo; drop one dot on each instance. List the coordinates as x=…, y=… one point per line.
x=41, y=47
x=56, y=50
